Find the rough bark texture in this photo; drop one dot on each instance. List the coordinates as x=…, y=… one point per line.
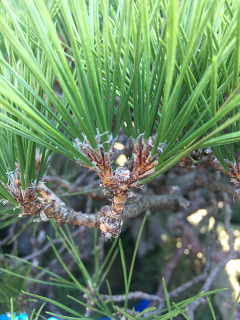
x=207, y=158
x=121, y=180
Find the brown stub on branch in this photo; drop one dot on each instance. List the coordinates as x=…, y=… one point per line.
x=207, y=158
x=234, y=171
x=29, y=202
x=121, y=180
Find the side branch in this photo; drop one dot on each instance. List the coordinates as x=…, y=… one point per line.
x=143, y=203
x=63, y=214
x=56, y=209
x=217, y=186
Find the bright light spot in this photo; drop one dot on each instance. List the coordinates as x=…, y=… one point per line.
x=186, y=251
x=204, y=229
x=164, y=237
x=236, y=233
x=118, y=146
x=223, y=237
x=237, y=240
x=233, y=266
x=233, y=271
x=126, y=123
x=200, y=255
x=237, y=244
x=211, y=223
x=197, y=216
x=121, y=159
x=220, y=204
x=179, y=243
x=224, y=243
x=189, y=246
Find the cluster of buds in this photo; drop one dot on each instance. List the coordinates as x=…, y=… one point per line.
x=29, y=200
x=207, y=158
x=200, y=157
x=234, y=171
x=121, y=180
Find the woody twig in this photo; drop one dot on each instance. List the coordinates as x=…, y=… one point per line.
x=121, y=180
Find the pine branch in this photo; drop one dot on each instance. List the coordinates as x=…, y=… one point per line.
x=56, y=209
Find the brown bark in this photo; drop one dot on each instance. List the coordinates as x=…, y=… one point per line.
x=121, y=180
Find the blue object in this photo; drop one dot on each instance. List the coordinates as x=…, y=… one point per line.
x=139, y=307
x=8, y=316
x=22, y=316
x=142, y=305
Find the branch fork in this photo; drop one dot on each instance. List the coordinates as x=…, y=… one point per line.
x=121, y=180
x=38, y=201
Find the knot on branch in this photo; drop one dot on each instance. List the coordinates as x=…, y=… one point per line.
x=110, y=223
x=120, y=180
